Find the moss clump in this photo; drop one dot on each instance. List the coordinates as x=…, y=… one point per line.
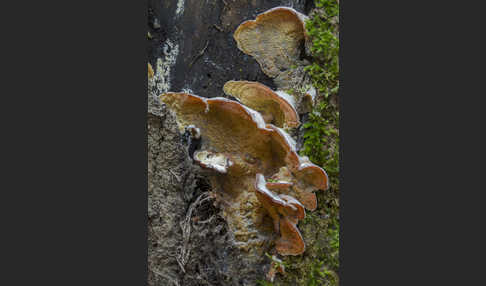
x=320, y=263
x=323, y=28
x=321, y=131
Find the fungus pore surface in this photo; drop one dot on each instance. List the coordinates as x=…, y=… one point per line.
x=274, y=39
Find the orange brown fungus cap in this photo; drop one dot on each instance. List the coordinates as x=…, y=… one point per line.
x=313, y=175
x=297, y=211
x=285, y=211
x=226, y=127
x=290, y=241
x=274, y=39
x=279, y=185
x=273, y=106
x=300, y=190
x=270, y=201
x=309, y=200
x=307, y=176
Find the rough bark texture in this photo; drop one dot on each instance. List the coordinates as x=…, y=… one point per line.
x=191, y=47
x=169, y=178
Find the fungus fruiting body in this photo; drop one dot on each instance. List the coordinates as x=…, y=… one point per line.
x=276, y=107
x=236, y=145
x=274, y=39
x=285, y=211
x=277, y=39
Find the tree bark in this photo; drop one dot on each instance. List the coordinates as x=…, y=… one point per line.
x=191, y=48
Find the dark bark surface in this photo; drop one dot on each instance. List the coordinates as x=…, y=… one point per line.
x=192, y=48
x=208, y=56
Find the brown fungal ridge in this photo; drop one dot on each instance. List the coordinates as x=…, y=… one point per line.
x=273, y=106
x=290, y=241
x=315, y=175
x=273, y=38
x=299, y=15
x=182, y=100
x=285, y=211
x=281, y=185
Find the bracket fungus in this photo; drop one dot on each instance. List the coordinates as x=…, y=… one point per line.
x=285, y=211
x=274, y=39
x=236, y=145
x=275, y=107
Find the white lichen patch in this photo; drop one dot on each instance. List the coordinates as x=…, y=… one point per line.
x=162, y=74
x=187, y=90
x=160, y=82
x=180, y=7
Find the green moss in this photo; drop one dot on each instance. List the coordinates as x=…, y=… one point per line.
x=319, y=264
x=323, y=28
x=321, y=139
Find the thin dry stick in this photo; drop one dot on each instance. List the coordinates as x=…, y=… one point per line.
x=186, y=231
x=218, y=27
x=178, y=179
x=200, y=54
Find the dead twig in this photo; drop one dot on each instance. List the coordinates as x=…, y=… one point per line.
x=177, y=177
x=218, y=28
x=186, y=231
x=199, y=55
x=208, y=220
